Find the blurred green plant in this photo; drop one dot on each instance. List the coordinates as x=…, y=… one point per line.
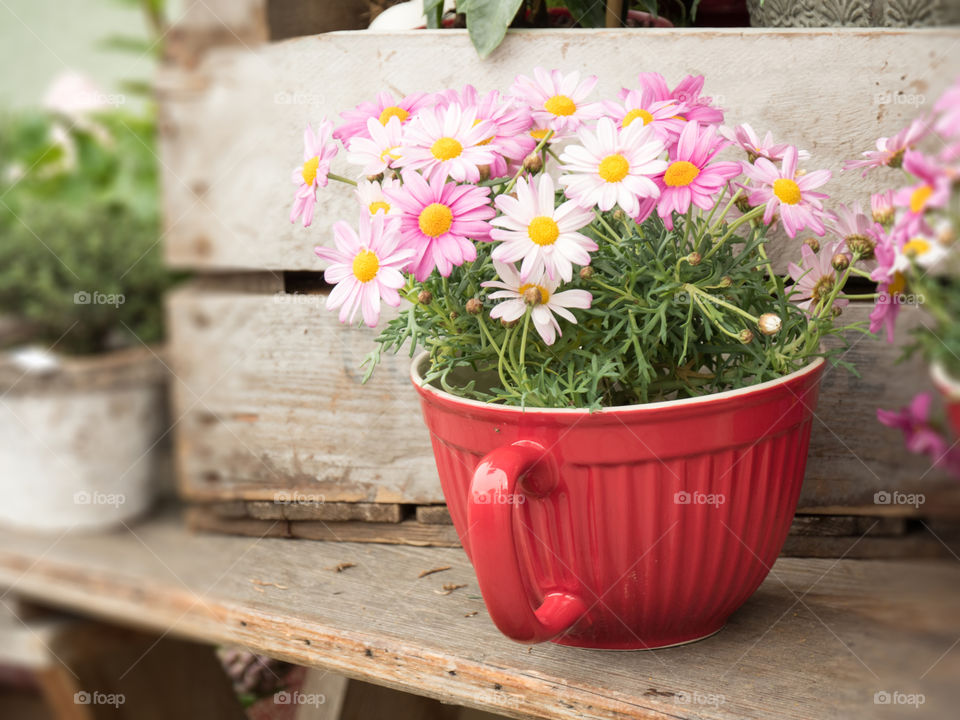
x=80, y=258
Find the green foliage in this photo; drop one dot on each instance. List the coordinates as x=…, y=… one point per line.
x=487, y=21
x=664, y=323
x=80, y=258
x=938, y=337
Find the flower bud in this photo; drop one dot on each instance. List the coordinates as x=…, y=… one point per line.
x=746, y=336
x=840, y=262
x=532, y=296
x=769, y=323
x=726, y=281
x=619, y=215
x=813, y=244
x=861, y=245
x=454, y=315
x=837, y=311
x=375, y=178
x=425, y=297
x=586, y=273
x=694, y=258
x=484, y=172
x=533, y=163
x=742, y=204
x=474, y=306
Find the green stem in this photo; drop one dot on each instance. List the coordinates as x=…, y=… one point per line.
x=537, y=149
x=341, y=178
x=755, y=212
x=717, y=301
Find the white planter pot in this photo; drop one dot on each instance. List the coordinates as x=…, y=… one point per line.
x=77, y=442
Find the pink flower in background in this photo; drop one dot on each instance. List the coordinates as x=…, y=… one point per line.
x=687, y=93
x=748, y=140
x=379, y=149
x=557, y=101
x=382, y=109
x=948, y=110
x=881, y=207
x=692, y=176
x=448, y=142
x=613, y=167
x=784, y=192
x=920, y=435
x=371, y=197
x=891, y=285
x=318, y=150
x=544, y=237
x=512, y=290
x=76, y=95
x=857, y=229
x=365, y=268
x=814, y=278
x=933, y=191
x=439, y=219
x=511, y=139
x=890, y=151
x=661, y=116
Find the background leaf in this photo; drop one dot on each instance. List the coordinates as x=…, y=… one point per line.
x=487, y=21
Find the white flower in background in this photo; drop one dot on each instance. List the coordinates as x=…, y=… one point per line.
x=381, y=150
x=371, y=197
x=75, y=95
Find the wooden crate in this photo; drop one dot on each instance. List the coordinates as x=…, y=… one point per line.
x=267, y=395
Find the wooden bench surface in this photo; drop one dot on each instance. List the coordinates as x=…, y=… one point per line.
x=819, y=639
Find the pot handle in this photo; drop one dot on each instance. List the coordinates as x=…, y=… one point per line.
x=493, y=548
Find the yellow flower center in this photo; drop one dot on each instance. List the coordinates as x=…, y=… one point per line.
x=310, y=170
x=681, y=173
x=823, y=287
x=365, y=266
x=378, y=205
x=897, y=285
x=543, y=230
x=634, y=114
x=435, y=220
x=390, y=153
x=446, y=148
x=917, y=246
x=391, y=112
x=787, y=190
x=544, y=293
x=560, y=105
x=539, y=133
x=919, y=197
x=613, y=168
x=678, y=117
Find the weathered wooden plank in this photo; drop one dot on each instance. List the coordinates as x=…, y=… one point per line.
x=269, y=400
x=434, y=515
x=819, y=639
x=226, y=181
x=332, y=512
x=408, y=532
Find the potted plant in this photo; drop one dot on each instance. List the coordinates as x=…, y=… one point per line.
x=81, y=395
x=915, y=227
x=618, y=386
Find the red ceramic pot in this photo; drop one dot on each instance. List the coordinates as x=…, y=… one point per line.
x=633, y=527
x=950, y=388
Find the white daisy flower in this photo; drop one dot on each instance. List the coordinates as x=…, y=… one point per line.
x=371, y=197
x=512, y=290
x=613, y=167
x=557, y=101
x=926, y=252
x=449, y=141
x=381, y=150
x=543, y=236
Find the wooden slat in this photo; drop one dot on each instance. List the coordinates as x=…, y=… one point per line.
x=269, y=399
x=819, y=639
x=232, y=129
x=328, y=512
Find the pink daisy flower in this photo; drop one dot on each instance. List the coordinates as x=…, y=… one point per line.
x=448, y=142
x=545, y=237
x=814, y=278
x=686, y=93
x=511, y=140
x=920, y=435
x=371, y=197
x=890, y=288
x=382, y=109
x=858, y=230
x=948, y=109
x=782, y=190
x=692, y=177
x=365, y=268
x=438, y=219
x=318, y=151
x=890, y=151
x=881, y=207
x=379, y=149
x=933, y=191
x=512, y=290
x=557, y=101
x=636, y=107
x=748, y=140
x=613, y=167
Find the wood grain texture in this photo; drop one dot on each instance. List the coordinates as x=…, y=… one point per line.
x=270, y=404
x=819, y=639
x=232, y=128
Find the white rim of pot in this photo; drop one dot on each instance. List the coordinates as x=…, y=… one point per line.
x=943, y=380
x=812, y=367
